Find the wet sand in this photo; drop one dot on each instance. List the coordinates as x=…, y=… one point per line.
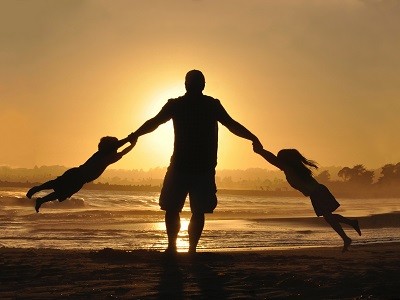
x=365, y=272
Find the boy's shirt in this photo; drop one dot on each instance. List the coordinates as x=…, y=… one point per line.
x=96, y=165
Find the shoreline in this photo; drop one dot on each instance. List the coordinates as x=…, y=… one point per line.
x=204, y=251
x=368, y=192
x=366, y=271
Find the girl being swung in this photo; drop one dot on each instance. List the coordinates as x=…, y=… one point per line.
x=299, y=175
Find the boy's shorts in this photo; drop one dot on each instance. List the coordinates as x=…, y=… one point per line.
x=68, y=184
x=200, y=187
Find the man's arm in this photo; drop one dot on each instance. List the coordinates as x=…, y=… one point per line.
x=236, y=128
x=151, y=124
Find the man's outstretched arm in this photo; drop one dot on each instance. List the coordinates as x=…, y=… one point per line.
x=150, y=125
x=237, y=128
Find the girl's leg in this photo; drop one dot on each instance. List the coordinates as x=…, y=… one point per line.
x=334, y=223
x=45, y=186
x=47, y=198
x=353, y=223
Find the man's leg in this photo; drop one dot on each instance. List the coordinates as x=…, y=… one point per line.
x=173, y=225
x=195, y=229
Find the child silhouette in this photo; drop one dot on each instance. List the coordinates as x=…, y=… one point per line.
x=73, y=179
x=299, y=175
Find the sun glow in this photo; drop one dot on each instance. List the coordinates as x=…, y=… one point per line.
x=159, y=144
x=160, y=97
x=182, y=242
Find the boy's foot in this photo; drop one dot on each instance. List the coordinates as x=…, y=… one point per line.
x=31, y=192
x=346, y=245
x=38, y=204
x=356, y=227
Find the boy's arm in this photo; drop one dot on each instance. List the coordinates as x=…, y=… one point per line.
x=117, y=156
x=124, y=141
x=127, y=149
x=268, y=156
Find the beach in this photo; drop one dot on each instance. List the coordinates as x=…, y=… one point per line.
x=365, y=272
x=108, y=245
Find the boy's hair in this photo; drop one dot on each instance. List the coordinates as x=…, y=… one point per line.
x=294, y=159
x=108, y=143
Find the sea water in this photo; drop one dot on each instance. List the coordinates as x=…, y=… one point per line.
x=129, y=220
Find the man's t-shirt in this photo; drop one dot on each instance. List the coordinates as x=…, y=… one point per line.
x=195, y=119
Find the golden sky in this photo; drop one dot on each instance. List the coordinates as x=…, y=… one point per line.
x=320, y=76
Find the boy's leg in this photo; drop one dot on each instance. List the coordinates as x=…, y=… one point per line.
x=47, y=198
x=45, y=186
x=195, y=229
x=334, y=223
x=173, y=225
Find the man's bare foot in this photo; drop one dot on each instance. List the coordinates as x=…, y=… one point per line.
x=171, y=250
x=346, y=245
x=356, y=227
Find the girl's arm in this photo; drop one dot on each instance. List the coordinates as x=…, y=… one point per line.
x=268, y=156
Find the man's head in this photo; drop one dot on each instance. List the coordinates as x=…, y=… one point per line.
x=195, y=81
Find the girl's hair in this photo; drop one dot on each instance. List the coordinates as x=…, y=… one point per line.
x=108, y=143
x=296, y=161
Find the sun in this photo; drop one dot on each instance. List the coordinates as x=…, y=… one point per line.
x=158, y=99
x=162, y=139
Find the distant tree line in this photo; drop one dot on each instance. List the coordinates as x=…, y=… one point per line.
x=359, y=180
x=359, y=175
x=354, y=181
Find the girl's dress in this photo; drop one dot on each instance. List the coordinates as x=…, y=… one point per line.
x=323, y=201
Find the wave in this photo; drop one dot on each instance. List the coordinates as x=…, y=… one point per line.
x=15, y=201
x=391, y=219
x=385, y=220
x=19, y=201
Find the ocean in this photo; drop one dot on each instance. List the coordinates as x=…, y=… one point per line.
x=131, y=220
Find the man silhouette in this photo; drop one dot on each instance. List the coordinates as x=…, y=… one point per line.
x=192, y=167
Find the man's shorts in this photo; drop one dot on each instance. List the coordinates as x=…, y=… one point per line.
x=200, y=186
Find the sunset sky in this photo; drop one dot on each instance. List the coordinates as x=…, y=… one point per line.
x=320, y=76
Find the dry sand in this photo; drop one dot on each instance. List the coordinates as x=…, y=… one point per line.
x=365, y=272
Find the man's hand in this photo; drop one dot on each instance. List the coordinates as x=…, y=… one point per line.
x=133, y=142
x=132, y=138
x=257, y=147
